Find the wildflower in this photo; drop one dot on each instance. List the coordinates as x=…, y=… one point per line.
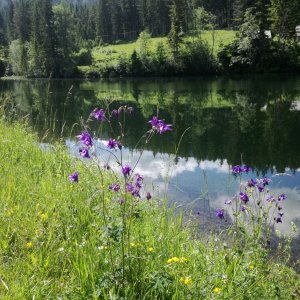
x=220, y=213
x=29, y=245
x=44, y=217
x=126, y=170
x=74, y=177
x=244, y=197
x=130, y=109
x=217, y=290
x=85, y=138
x=122, y=201
x=228, y=202
x=129, y=187
x=278, y=220
x=84, y=152
x=114, y=144
x=270, y=198
x=265, y=180
x=139, y=177
x=242, y=208
x=150, y=249
x=115, y=187
x=246, y=169
x=251, y=183
x=159, y=125
x=237, y=169
x=115, y=113
x=251, y=267
x=282, y=197
x=261, y=188
x=172, y=260
x=148, y=196
x=186, y=280
x=132, y=245
x=99, y=115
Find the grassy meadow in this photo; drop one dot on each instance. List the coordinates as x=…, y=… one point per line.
x=80, y=240
x=109, y=54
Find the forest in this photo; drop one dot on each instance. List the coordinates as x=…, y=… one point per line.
x=39, y=38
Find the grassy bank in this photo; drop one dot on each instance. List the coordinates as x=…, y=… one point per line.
x=65, y=240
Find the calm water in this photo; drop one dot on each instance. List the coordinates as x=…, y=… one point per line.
x=251, y=119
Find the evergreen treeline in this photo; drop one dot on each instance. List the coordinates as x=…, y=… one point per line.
x=44, y=37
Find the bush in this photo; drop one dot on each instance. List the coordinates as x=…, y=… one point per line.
x=84, y=57
x=2, y=68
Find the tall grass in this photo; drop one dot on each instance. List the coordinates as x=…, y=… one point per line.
x=67, y=240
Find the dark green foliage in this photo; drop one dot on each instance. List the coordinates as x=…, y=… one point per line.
x=2, y=68
x=83, y=57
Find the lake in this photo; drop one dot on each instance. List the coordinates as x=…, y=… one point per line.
x=253, y=120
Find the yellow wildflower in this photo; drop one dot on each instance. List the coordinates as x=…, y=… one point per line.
x=132, y=245
x=251, y=267
x=150, y=249
x=29, y=245
x=217, y=290
x=173, y=259
x=186, y=280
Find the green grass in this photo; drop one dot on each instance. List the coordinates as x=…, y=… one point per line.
x=110, y=53
x=67, y=241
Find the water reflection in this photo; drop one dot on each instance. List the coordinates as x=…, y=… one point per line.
x=254, y=119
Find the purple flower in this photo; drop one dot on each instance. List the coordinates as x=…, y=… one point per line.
x=148, y=196
x=74, y=177
x=220, y=213
x=115, y=113
x=228, y=202
x=159, y=125
x=265, y=181
x=251, y=183
x=270, y=198
x=153, y=122
x=114, y=144
x=282, y=197
x=85, y=138
x=99, y=115
x=129, y=187
x=237, y=169
x=126, y=170
x=130, y=109
x=246, y=169
x=278, y=220
x=242, y=208
x=115, y=187
x=260, y=188
x=122, y=201
x=139, y=177
x=84, y=152
x=244, y=197
x=138, y=185
x=281, y=214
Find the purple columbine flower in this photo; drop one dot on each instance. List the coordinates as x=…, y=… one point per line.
x=74, y=177
x=85, y=138
x=126, y=170
x=139, y=177
x=228, y=202
x=237, y=169
x=148, y=196
x=220, y=213
x=115, y=187
x=159, y=125
x=99, y=115
x=282, y=197
x=130, y=109
x=115, y=113
x=84, y=152
x=251, y=183
x=244, y=197
x=261, y=188
x=129, y=187
x=114, y=144
x=246, y=169
x=265, y=180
